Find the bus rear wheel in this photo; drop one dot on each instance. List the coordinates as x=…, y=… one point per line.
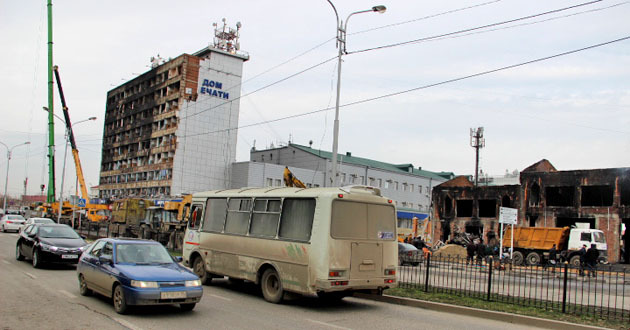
x=271, y=286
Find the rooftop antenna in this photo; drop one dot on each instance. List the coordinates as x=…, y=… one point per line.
x=226, y=38
x=477, y=141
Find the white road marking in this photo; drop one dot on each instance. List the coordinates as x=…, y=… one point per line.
x=328, y=324
x=126, y=324
x=6, y=262
x=30, y=275
x=67, y=294
x=214, y=295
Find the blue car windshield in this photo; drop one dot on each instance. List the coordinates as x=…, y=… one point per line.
x=142, y=254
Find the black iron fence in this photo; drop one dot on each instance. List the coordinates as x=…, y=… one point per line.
x=603, y=291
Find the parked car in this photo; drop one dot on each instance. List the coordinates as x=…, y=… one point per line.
x=137, y=272
x=49, y=243
x=408, y=254
x=11, y=222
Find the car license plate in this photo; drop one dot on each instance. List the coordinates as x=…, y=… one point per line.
x=69, y=256
x=173, y=295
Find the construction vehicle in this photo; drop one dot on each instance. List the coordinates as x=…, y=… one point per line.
x=531, y=243
x=128, y=217
x=141, y=218
x=290, y=180
x=95, y=212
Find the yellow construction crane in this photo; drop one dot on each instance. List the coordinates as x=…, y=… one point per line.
x=290, y=180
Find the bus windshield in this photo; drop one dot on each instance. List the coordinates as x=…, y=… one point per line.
x=352, y=220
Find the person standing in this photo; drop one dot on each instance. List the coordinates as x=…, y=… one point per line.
x=551, y=261
x=470, y=252
x=582, y=254
x=590, y=258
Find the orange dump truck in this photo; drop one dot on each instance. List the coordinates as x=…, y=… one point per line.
x=531, y=243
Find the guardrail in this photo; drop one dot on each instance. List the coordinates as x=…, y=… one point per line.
x=603, y=292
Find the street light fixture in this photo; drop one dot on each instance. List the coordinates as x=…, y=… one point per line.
x=341, y=44
x=6, y=181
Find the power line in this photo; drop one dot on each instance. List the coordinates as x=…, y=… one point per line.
x=475, y=28
x=426, y=17
x=421, y=87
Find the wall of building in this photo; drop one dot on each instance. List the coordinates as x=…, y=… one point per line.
x=257, y=174
x=207, y=132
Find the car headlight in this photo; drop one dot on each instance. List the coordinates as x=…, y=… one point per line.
x=193, y=283
x=46, y=247
x=144, y=284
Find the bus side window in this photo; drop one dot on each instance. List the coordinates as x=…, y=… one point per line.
x=195, y=217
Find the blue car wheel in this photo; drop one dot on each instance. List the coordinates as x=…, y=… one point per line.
x=120, y=304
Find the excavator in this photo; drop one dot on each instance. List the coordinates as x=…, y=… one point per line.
x=290, y=180
x=94, y=212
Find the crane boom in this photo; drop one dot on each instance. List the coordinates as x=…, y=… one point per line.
x=73, y=144
x=290, y=180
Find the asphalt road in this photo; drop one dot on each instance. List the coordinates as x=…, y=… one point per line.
x=49, y=299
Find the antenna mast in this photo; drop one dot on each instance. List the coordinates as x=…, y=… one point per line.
x=477, y=141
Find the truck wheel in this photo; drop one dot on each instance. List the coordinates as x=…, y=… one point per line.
x=575, y=261
x=533, y=259
x=517, y=258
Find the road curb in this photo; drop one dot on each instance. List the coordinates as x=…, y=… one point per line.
x=475, y=312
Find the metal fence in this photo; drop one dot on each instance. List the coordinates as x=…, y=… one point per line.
x=604, y=292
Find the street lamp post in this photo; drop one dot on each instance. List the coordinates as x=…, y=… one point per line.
x=63, y=171
x=341, y=44
x=6, y=181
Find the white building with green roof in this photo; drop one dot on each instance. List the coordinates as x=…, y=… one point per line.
x=408, y=186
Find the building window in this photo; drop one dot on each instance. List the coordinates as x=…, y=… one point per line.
x=411, y=187
x=420, y=189
x=404, y=186
x=387, y=183
x=372, y=181
x=380, y=183
x=268, y=182
x=395, y=185
x=278, y=183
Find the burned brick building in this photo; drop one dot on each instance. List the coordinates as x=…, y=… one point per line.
x=545, y=197
x=171, y=130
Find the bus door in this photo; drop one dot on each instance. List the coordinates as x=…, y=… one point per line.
x=191, y=241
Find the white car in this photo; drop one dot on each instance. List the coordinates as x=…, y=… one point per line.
x=11, y=222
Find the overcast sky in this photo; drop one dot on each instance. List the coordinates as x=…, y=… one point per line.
x=573, y=110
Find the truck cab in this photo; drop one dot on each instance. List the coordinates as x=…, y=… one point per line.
x=585, y=236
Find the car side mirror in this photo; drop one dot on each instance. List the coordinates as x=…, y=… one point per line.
x=83, y=236
x=106, y=260
x=177, y=259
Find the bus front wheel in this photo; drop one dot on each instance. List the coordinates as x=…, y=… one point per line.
x=200, y=270
x=271, y=286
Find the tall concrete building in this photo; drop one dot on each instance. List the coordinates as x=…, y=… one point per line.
x=172, y=130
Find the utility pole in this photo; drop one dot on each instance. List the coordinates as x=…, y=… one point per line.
x=50, y=198
x=477, y=141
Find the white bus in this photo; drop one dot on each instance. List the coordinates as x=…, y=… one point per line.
x=328, y=242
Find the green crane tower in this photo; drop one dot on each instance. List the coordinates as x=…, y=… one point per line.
x=50, y=198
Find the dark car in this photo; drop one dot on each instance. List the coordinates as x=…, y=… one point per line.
x=49, y=243
x=136, y=272
x=408, y=254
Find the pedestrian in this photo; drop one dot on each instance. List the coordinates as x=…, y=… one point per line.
x=551, y=260
x=470, y=252
x=481, y=252
x=582, y=253
x=590, y=258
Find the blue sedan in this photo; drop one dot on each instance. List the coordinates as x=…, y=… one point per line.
x=136, y=272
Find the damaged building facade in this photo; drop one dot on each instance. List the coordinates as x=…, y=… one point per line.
x=172, y=129
x=544, y=197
